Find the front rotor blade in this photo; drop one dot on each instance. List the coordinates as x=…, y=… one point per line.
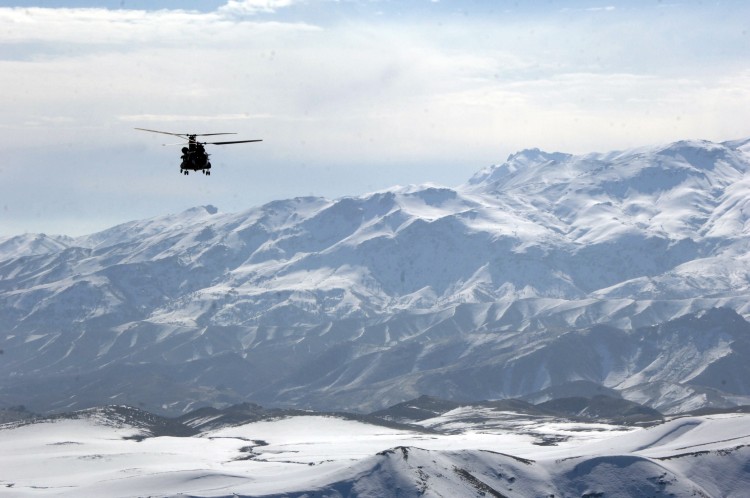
x=234, y=142
x=209, y=134
x=164, y=132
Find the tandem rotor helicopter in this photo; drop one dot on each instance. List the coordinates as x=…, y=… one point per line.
x=194, y=156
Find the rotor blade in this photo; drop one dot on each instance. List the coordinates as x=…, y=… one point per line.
x=186, y=135
x=163, y=132
x=176, y=143
x=233, y=142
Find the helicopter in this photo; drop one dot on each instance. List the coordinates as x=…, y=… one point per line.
x=194, y=156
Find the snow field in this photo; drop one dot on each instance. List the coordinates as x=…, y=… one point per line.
x=88, y=458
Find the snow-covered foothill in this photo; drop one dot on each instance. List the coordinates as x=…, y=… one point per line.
x=100, y=453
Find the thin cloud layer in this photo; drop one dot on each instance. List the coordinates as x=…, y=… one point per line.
x=346, y=103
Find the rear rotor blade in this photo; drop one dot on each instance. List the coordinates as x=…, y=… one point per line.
x=209, y=134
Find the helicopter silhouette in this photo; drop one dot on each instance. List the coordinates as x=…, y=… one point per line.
x=194, y=156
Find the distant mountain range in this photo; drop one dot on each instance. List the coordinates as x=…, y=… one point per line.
x=624, y=271
x=412, y=415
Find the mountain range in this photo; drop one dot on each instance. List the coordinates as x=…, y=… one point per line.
x=624, y=271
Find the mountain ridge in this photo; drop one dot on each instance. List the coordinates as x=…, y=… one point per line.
x=403, y=285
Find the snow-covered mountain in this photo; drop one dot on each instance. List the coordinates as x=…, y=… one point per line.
x=626, y=269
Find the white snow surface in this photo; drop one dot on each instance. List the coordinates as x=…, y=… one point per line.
x=329, y=456
x=370, y=300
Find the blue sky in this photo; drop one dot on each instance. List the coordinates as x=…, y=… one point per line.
x=349, y=96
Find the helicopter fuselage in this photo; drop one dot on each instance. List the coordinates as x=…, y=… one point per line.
x=194, y=157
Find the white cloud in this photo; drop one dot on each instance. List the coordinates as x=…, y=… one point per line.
x=139, y=118
x=359, y=82
x=104, y=30
x=251, y=7
x=607, y=8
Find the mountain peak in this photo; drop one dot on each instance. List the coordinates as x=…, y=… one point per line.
x=518, y=161
x=702, y=155
x=31, y=244
x=536, y=155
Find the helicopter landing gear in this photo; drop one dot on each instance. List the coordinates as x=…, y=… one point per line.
x=206, y=172
x=185, y=172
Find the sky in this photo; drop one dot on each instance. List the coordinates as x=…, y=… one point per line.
x=348, y=96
